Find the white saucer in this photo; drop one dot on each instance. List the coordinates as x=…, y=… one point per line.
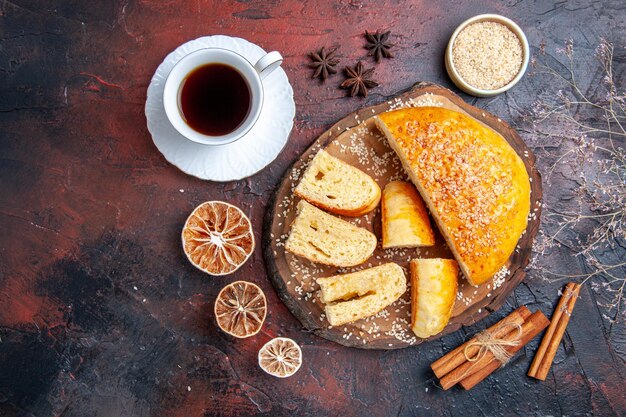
x=237, y=160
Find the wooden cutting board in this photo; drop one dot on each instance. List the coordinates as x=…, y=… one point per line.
x=356, y=140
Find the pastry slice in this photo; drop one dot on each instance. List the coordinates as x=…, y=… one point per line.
x=433, y=291
x=324, y=238
x=473, y=182
x=361, y=294
x=338, y=187
x=404, y=217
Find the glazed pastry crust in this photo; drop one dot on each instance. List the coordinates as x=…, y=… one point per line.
x=433, y=291
x=474, y=183
x=405, y=222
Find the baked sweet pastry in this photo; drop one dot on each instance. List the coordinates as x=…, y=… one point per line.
x=361, y=294
x=324, y=238
x=433, y=291
x=338, y=187
x=405, y=222
x=475, y=185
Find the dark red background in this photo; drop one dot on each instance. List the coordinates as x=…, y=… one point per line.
x=101, y=314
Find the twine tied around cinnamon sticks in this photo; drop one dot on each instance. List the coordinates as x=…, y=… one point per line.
x=473, y=361
x=487, y=341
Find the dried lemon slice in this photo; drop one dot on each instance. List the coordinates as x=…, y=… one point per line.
x=280, y=357
x=240, y=309
x=217, y=238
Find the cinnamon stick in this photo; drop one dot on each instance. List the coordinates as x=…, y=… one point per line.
x=531, y=328
x=552, y=339
x=457, y=357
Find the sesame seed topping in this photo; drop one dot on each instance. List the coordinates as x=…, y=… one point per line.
x=487, y=55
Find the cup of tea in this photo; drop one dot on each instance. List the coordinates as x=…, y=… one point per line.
x=214, y=96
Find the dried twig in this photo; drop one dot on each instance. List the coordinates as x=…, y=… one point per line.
x=590, y=123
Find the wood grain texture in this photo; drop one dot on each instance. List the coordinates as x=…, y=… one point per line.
x=294, y=277
x=100, y=312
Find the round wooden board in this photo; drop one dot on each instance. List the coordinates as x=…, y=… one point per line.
x=357, y=141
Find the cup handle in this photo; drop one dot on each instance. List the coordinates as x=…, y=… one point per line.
x=268, y=63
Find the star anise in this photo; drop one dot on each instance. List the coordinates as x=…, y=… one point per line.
x=358, y=80
x=378, y=45
x=324, y=63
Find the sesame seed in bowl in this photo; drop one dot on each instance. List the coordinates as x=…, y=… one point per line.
x=487, y=55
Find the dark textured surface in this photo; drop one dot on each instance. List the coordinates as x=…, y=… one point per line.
x=101, y=314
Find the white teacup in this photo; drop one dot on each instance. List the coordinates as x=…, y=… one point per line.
x=252, y=74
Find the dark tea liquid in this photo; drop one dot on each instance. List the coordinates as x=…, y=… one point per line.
x=215, y=99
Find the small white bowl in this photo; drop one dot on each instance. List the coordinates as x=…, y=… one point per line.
x=456, y=77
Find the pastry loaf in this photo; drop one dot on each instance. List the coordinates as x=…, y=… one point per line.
x=361, y=294
x=404, y=217
x=324, y=238
x=433, y=291
x=338, y=187
x=474, y=183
